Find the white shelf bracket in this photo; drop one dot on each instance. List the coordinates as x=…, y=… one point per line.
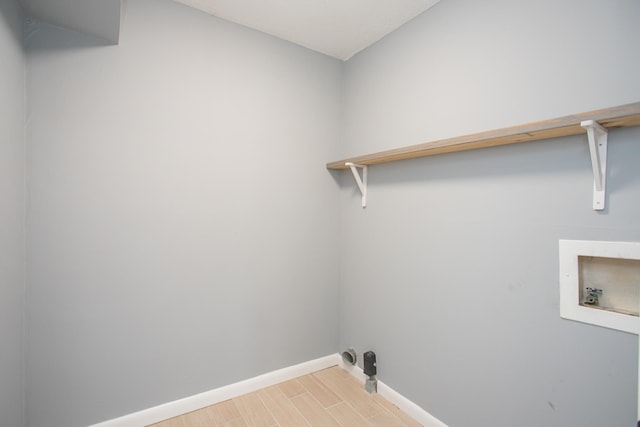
x=598, y=149
x=362, y=182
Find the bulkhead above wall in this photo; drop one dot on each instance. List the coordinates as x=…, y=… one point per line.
x=100, y=18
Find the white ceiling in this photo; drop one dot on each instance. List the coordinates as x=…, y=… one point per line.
x=338, y=28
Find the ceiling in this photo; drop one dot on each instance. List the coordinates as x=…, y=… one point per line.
x=338, y=28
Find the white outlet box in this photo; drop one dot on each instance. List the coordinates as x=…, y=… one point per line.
x=613, y=268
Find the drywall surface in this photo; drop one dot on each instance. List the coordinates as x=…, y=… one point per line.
x=451, y=272
x=12, y=265
x=181, y=221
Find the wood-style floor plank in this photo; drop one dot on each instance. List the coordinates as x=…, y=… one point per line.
x=347, y=416
x=320, y=391
x=349, y=390
x=224, y=412
x=236, y=422
x=254, y=412
x=282, y=409
x=172, y=422
x=386, y=419
x=313, y=411
x=410, y=422
x=327, y=398
x=291, y=388
x=199, y=418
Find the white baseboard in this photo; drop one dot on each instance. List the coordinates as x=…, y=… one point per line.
x=198, y=401
x=404, y=404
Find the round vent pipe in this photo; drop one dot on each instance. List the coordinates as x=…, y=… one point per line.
x=349, y=357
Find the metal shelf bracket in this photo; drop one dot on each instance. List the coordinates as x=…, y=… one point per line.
x=598, y=149
x=362, y=182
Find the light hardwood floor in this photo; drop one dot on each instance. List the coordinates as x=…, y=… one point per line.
x=330, y=398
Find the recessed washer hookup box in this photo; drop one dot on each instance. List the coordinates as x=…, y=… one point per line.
x=600, y=283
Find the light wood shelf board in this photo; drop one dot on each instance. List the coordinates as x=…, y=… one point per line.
x=614, y=117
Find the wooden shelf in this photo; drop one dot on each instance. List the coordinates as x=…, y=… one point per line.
x=614, y=117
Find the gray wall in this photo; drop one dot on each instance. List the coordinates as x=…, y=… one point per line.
x=182, y=228
x=450, y=273
x=181, y=221
x=12, y=265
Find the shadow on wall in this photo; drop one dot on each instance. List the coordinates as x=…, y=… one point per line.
x=67, y=39
x=568, y=154
x=15, y=28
